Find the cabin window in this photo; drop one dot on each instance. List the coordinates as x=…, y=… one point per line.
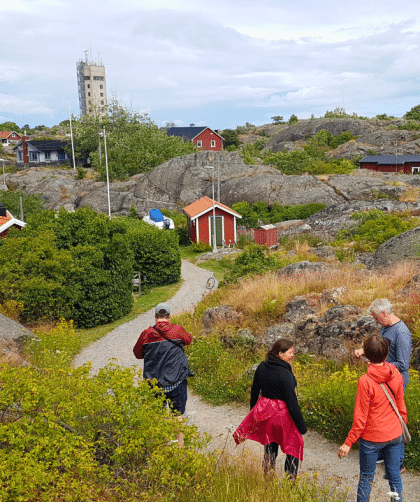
x=199, y=143
x=47, y=155
x=416, y=170
x=33, y=156
x=213, y=143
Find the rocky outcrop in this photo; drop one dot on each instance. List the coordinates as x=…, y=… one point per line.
x=371, y=135
x=405, y=246
x=329, y=221
x=333, y=335
x=223, y=314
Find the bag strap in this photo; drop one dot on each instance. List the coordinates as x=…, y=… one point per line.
x=169, y=340
x=391, y=401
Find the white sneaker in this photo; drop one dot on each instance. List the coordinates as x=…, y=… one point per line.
x=381, y=461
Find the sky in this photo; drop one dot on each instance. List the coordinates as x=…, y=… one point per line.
x=218, y=64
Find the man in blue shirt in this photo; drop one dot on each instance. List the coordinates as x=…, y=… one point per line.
x=399, y=339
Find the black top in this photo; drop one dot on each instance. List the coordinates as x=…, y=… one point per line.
x=274, y=380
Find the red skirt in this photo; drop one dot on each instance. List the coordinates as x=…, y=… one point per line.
x=269, y=421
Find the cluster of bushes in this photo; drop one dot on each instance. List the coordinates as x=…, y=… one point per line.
x=80, y=265
x=262, y=212
x=312, y=157
x=375, y=227
x=68, y=436
x=31, y=204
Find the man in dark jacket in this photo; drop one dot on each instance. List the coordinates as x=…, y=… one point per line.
x=161, y=347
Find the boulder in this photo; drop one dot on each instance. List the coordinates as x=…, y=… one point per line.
x=405, y=246
x=12, y=337
x=302, y=266
x=223, y=314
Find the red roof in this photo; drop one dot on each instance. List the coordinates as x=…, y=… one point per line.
x=6, y=134
x=205, y=204
x=5, y=219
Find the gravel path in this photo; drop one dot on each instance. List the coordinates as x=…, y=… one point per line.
x=219, y=421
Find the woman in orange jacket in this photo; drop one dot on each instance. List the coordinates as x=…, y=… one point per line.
x=375, y=422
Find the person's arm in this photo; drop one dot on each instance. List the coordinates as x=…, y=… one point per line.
x=186, y=337
x=139, y=347
x=255, y=390
x=402, y=348
x=399, y=401
x=361, y=411
x=291, y=401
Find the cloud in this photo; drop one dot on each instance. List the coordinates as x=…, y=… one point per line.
x=198, y=62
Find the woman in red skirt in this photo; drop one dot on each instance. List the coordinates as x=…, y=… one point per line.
x=275, y=418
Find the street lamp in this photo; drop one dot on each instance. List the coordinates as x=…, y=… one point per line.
x=214, y=213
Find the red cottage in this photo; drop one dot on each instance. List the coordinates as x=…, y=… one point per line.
x=203, y=137
x=200, y=222
x=9, y=137
x=406, y=164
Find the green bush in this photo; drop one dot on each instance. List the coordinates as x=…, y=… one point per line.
x=201, y=247
x=68, y=436
x=80, y=265
x=376, y=227
x=31, y=204
x=156, y=253
x=260, y=211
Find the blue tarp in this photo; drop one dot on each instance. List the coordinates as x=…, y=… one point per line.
x=156, y=215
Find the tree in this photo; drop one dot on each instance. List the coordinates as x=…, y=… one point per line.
x=293, y=119
x=10, y=126
x=277, y=119
x=231, y=138
x=413, y=114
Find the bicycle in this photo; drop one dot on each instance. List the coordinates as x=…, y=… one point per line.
x=211, y=281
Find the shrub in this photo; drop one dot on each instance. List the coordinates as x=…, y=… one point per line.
x=375, y=227
x=201, y=247
x=31, y=204
x=65, y=436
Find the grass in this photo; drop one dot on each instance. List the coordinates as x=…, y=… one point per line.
x=241, y=480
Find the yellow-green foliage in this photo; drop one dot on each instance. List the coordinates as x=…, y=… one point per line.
x=328, y=394
x=241, y=480
x=68, y=436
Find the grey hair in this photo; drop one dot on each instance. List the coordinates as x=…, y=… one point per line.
x=381, y=305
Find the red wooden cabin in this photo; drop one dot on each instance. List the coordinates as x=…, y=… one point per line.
x=200, y=222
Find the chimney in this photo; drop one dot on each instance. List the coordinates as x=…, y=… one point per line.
x=2, y=210
x=25, y=150
x=192, y=125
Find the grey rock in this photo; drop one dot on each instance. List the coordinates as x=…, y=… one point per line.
x=221, y=314
x=324, y=252
x=297, y=310
x=405, y=246
x=12, y=337
x=302, y=266
x=273, y=333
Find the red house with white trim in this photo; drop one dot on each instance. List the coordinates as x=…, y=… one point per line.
x=203, y=137
x=200, y=222
x=406, y=164
x=7, y=221
x=9, y=137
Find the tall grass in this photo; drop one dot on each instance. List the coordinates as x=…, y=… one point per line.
x=241, y=480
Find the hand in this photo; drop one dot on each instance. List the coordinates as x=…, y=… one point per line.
x=359, y=353
x=344, y=450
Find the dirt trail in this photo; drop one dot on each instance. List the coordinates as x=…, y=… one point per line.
x=320, y=455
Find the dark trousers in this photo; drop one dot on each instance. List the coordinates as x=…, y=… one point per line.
x=271, y=451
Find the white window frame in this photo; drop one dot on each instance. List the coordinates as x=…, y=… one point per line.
x=199, y=143
x=415, y=170
x=213, y=143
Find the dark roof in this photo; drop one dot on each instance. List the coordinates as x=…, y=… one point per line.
x=46, y=146
x=390, y=159
x=189, y=132
x=185, y=132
